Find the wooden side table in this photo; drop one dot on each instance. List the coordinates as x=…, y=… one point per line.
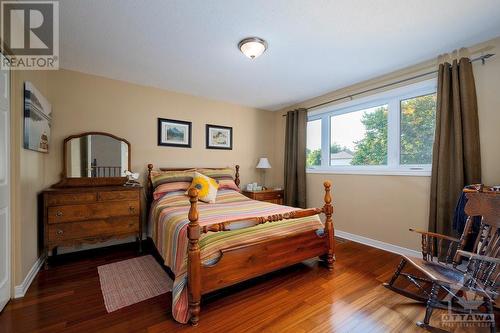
x=270, y=195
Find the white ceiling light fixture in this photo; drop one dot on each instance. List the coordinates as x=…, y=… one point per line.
x=252, y=47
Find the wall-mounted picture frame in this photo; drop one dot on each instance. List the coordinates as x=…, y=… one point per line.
x=37, y=119
x=219, y=137
x=174, y=133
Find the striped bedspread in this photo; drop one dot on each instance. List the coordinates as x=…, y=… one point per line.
x=168, y=228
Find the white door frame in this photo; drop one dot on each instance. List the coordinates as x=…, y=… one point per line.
x=5, y=240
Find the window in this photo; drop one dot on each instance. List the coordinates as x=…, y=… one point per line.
x=418, y=119
x=387, y=133
x=359, y=137
x=313, y=151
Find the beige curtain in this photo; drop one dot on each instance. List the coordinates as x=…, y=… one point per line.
x=456, y=159
x=295, y=158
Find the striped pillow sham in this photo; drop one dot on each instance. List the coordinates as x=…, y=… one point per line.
x=169, y=187
x=223, y=173
x=168, y=181
x=227, y=184
x=224, y=176
x=162, y=177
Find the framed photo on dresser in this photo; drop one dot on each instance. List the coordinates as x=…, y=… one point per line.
x=174, y=133
x=219, y=137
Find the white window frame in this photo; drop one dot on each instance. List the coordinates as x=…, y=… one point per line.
x=393, y=99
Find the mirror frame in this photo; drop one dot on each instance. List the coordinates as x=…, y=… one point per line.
x=87, y=181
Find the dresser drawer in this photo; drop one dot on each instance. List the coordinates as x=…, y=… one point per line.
x=88, y=229
x=118, y=195
x=94, y=211
x=70, y=198
x=275, y=201
x=268, y=196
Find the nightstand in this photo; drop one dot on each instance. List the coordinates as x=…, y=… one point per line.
x=272, y=196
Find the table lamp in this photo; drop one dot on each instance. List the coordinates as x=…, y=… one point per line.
x=263, y=164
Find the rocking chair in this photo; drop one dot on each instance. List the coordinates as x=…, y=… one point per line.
x=445, y=284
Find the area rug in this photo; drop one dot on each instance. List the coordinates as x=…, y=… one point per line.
x=131, y=281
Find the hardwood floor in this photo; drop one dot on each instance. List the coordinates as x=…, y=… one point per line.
x=302, y=298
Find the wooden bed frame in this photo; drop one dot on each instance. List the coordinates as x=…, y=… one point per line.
x=243, y=262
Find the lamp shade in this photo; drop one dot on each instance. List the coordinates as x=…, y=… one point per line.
x=263, y=163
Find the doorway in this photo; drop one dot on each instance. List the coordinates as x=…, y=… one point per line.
x=5, y=234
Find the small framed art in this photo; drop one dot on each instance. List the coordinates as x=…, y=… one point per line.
x=219, y=137
x=174, y=133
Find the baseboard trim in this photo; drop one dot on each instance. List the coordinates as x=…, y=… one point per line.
x=20, y=290
x=376, y=243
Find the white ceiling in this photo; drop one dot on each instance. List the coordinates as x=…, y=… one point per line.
x=315, y=46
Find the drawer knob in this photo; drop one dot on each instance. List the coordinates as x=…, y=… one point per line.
x=59, y=232
x=131, y=209
x=59, y=213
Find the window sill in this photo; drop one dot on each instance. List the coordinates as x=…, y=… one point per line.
x=382, y=172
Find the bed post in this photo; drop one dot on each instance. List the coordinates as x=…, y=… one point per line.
x=194, y=262
x=149, y=186
x=237, y=176
x=329, y=232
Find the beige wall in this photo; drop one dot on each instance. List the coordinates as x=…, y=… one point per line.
x=384, y=207
x=28, y=172
x=83, y=103
x=90, y=103
x=488, y=99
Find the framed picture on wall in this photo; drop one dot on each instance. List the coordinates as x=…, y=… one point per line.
x=37, y=119
x=174, y=133
x=219, y=137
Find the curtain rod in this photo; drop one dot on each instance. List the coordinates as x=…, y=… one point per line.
x=481, y=58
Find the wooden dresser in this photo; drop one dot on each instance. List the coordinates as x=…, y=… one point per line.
x=271, y=195
x=81, y=215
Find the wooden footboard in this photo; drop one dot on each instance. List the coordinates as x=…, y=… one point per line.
x=240, y=263
x=244, y=262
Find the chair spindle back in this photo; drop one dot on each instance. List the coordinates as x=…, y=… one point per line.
x=483, y=270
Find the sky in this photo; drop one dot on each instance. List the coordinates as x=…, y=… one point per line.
x=346, y=129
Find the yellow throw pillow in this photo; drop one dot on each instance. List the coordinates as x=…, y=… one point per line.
x=206, y=186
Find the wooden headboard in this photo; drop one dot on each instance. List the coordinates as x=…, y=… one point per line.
x=150, y=183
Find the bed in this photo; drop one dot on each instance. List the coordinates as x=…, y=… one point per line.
x=211, y=246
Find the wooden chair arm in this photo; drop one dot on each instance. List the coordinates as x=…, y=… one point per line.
x=474, y=256
x=433, y=234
